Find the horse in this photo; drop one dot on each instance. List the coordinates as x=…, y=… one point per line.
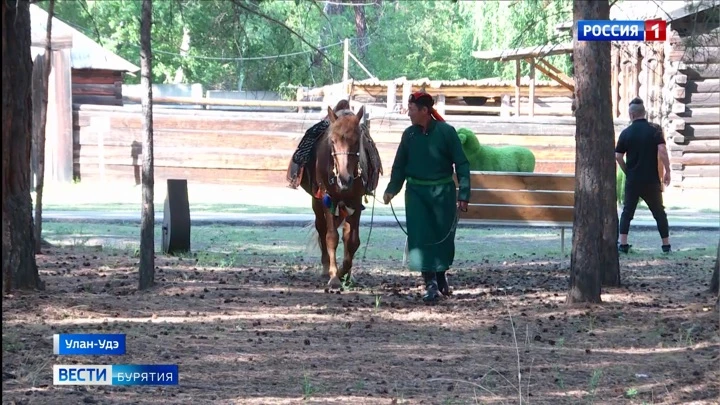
x=339, y=175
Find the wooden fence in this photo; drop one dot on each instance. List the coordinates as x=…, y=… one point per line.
x=246, y=148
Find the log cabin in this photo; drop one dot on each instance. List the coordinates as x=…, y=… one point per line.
x=97, y=75
x=676, y=78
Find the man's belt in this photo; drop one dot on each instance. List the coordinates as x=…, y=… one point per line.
x=438, y=182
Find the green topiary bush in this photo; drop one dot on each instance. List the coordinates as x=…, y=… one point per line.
x=495, y=158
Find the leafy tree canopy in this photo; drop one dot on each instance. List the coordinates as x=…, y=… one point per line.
x=230, y=44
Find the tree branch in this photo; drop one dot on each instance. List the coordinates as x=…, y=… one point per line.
x=282, y=24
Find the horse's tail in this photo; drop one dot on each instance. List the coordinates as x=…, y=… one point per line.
x=312, y=244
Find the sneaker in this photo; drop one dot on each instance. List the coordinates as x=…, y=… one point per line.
x=666, y=248
x=624, y=248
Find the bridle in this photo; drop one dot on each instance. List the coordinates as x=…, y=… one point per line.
x=332, y=176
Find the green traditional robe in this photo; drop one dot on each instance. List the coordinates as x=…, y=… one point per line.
x=425, y=162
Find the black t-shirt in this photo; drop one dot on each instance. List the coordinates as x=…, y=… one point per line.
x=639, y=142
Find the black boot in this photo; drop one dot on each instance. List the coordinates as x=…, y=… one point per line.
x=431, y=286
x=443, y=284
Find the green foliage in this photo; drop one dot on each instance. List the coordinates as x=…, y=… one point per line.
x=230, y=44
x=495, y=159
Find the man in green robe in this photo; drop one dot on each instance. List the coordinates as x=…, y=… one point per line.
x=424, y=160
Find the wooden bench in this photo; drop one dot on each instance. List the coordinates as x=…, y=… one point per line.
x=520, y=199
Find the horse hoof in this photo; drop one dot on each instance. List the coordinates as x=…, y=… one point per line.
x=334, y=283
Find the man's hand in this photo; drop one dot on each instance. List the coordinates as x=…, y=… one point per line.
x=666, y=178
x=462, y=206
x=387, y=197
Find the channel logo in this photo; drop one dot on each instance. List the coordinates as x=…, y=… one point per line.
x=117, y=374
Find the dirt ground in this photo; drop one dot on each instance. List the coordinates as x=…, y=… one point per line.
x=268, y=333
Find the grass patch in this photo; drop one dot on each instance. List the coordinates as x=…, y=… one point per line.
x=230, y=244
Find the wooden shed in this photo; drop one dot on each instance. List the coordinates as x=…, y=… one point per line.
x=97, y=75
x=82, y=72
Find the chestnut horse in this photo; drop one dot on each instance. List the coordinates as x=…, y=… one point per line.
x=340, y=175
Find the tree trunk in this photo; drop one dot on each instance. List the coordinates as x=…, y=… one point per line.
x=18, y=255
x=40, y=182
x=593, y=259
x=361, y=27
x=715, y=280
x=147, y=226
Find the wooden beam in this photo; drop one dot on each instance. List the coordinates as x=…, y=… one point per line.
x=505, y=106
x=531, y=97
x=517, y=87
x=441, y=104
x=697, y=159
x=699, y=100
x=522, y=197
x=697, y=131
x=703, y=86
x=524, y=53
x=522, y=181
x=553, y=75
x=515, y=213
x=238, y=103
x=114, y=90
x=406, y=91
x=391, y=97
x=695, y=145
x=701, y=171
x=695, y=55
x=708, y=115
x=694, y=71
x=695, y=41
x=489, y=91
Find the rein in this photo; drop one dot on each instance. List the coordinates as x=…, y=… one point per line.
x=453, y=228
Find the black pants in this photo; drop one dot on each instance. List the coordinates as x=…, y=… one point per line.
x=652, y=195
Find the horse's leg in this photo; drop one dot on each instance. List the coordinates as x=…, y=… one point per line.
x=351, y=241
x=321, y=227
x=332, y=238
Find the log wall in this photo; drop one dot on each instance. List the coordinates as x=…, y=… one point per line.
x=692, y=102
x=255, y=148
x=97, y=86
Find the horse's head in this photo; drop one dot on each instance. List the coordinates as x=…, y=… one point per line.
x=345, y=138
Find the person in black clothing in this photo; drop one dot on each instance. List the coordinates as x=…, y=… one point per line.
x=642, y=142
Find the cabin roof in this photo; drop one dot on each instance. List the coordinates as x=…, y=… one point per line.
x=653, y=9
x=84, y=54
x=436, y=84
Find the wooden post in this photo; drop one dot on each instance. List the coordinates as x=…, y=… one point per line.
x=391, y=97
x=517, y=88
x=407, y=89
x=299, y=95
x=441, y=104
x=531, y=97
x=346, y=60
x=505, y=107
x=65, y=123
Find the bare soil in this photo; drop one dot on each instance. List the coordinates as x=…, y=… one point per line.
x=268, y=333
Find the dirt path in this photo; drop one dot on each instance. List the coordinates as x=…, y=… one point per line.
x=267, y=333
